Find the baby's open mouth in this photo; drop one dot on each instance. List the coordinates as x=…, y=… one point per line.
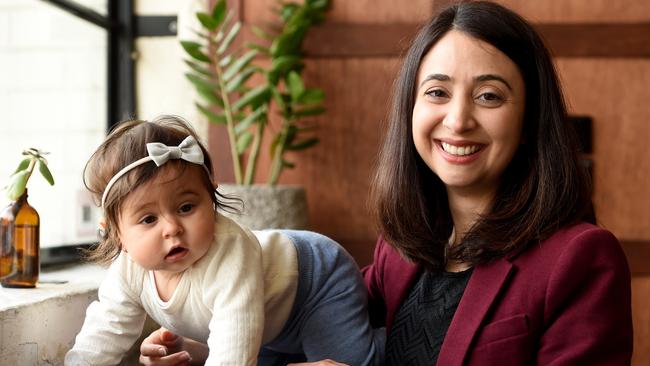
x=176, y=252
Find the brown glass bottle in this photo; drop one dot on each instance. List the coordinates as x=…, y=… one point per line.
x=7, y=232
x=25, y=245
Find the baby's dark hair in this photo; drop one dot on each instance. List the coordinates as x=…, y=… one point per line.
x=125, y=144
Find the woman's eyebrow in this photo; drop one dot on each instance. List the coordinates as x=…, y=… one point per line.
x=439, y=77
x=488, y=77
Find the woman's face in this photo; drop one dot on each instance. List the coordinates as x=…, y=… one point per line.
x=468, y=113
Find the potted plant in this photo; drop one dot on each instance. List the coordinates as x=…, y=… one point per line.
x=221, y=70
x=19, y=225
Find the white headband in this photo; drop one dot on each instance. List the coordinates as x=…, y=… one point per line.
x=188, y=150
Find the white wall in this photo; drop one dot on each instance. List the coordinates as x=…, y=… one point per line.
x=160, y=81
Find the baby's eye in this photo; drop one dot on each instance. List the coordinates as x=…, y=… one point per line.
x=185, y=208
x=149, y=219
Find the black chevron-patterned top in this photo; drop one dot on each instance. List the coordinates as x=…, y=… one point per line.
x=422, y=321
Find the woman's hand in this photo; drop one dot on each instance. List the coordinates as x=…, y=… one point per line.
x=319, y=363
x=164, y=348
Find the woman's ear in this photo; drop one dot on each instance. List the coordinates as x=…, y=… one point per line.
x=215, y=185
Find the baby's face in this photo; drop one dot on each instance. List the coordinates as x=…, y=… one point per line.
x=167, y=224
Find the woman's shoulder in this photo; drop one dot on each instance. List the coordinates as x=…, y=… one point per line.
x=581, y=245
x=582, y=234
x=387, y=259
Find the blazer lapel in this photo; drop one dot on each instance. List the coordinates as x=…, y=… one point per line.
x=482, y=288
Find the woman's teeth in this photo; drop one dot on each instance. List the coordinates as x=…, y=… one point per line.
x=460, y=150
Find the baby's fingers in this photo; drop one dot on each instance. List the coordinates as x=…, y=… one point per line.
x=175, y=359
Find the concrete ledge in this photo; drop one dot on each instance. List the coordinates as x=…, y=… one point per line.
x=38, y=326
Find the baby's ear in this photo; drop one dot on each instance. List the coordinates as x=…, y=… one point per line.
x=101, y=228
x=215, y=185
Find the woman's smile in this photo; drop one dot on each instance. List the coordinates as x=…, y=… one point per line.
x=459, y=152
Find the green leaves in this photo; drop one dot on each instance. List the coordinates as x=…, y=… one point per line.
x=219, y=11
x=244, y=141
x=254, y=96
x=238, y=65
x=295, y=85
x=17, y=184
x=229, y=38
x=237, y=82
x=45, y=171
x=212, y=21
x=250, y=119
x=311, y=96
x=18, y=180
x=223, y=69
x=23, y=165
x=194, y=49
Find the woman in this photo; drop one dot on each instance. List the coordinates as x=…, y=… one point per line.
x=489, y=254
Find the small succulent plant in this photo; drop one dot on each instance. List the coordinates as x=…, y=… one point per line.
x=18, y=180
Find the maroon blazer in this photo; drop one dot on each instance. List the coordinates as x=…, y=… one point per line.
x=565, y=301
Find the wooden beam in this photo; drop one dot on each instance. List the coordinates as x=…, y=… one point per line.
x=609, y=40
x=638, y=256
x=333, y=40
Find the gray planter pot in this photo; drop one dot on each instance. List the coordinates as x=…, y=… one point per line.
x=269, y=207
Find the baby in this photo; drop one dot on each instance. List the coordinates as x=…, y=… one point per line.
x=200, y=274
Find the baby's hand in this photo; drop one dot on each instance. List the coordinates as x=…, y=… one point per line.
x=163, y=348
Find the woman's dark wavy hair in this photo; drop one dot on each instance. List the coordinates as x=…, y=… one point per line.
x=544, y=187
x=125, y=144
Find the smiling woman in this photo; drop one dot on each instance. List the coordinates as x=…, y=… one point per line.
x=489, y=254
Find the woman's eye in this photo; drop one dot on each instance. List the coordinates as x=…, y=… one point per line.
x=148, y=220
x=186, y=208
x=436, y=93
x=490, y=98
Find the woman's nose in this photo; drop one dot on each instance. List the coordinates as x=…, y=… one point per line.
x=459, y=117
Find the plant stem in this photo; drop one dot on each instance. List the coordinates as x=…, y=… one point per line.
x=230, y=125
x=254, y=154
x=277, y=163
x=30, y=169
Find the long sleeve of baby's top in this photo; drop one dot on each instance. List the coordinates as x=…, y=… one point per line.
x=114, y=322
x=233, y=279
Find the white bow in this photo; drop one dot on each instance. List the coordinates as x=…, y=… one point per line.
x=188, y=150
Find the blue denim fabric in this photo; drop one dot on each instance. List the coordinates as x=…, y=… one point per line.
x=329, y=318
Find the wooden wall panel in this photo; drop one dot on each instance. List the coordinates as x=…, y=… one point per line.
x=641, y=320
x=615, y=94
x=336, y=173
x=581, y=11
x=357, y=11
